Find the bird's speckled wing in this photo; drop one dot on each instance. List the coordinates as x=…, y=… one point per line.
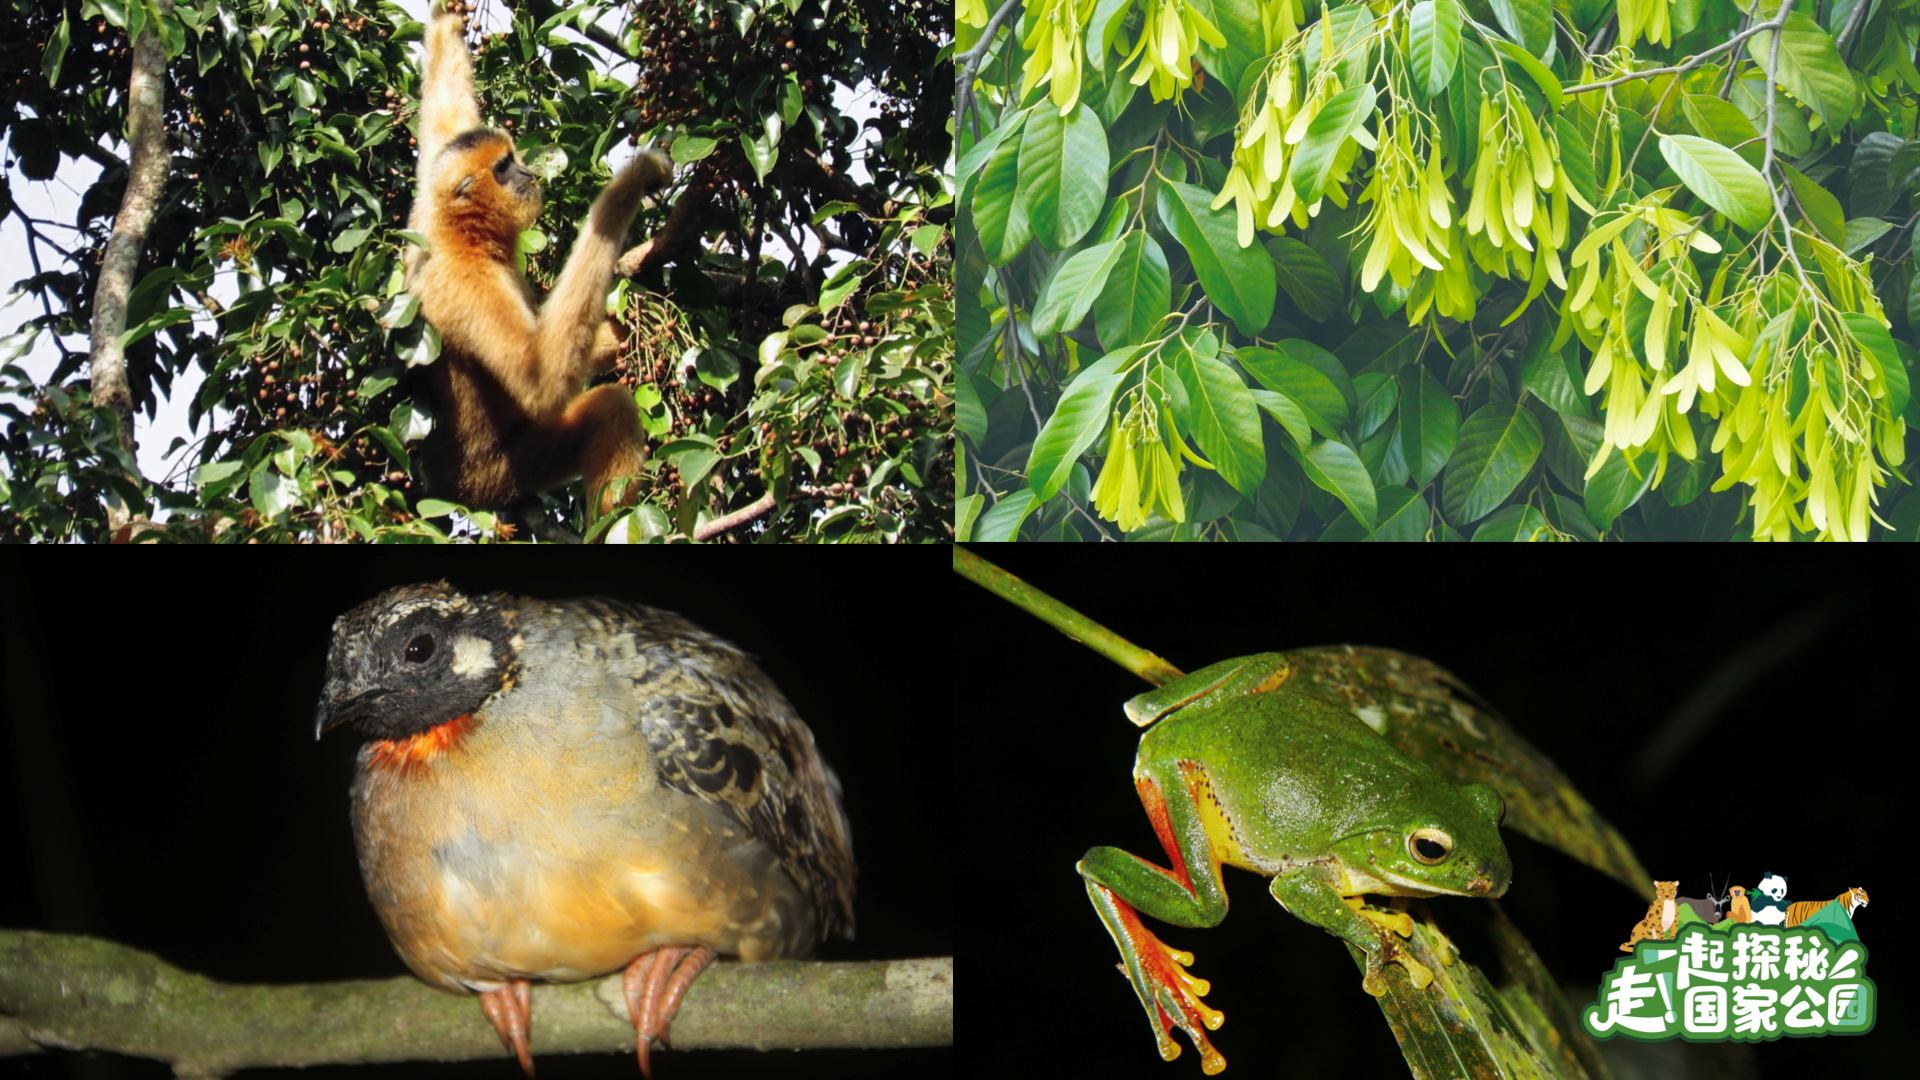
x=722, y=732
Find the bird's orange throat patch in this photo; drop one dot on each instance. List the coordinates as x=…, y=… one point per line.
x=418, y=751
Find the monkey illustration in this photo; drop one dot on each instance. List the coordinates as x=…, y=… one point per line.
x=511, y=419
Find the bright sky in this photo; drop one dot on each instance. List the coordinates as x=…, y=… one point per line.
x=53, y=206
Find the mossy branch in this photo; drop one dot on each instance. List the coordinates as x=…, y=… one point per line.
x=81, y=993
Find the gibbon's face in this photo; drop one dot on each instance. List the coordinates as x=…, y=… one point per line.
x=486, y=184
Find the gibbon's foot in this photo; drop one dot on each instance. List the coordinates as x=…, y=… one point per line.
x=511, y=1010
x=655, y=982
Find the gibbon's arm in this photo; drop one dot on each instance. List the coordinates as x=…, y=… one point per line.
x=569, y=320
x=447, y=105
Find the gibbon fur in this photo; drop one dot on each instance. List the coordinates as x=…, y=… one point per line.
x=511, y=420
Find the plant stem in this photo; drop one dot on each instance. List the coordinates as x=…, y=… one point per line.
x=1063, y=618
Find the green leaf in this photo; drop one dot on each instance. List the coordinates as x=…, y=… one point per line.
x=1613, y=489
x=1075, y=424
x=1862, y=231
x=1790, y=132
x=1239, y=281
x=1335, y=469
x=1554, y=376
x=1326, y=364
x=1404, y=515
x=1723, y=123
x=1311, y=283
x=1528, y=23
x=1239, y=23
x=1542, y=76
x=1433, y=36
x=1519, y=523
x=971, y=162
x=56, y=51
x=1868, y=188
x=1000, y=219
x=1498, y=445
x=1347, y=25
x=1720, y=177
x=1429, y=423
x=1072, y=287
x=1138, y=294
x=1225, y=422
x=1288, y=412
x=1810, y=68
x=1878, y=343
x=1337, y=120
x=1306, y=386
x=1378, y=394
x=1002, y=523
x=1063, y=174
x=1822, y=210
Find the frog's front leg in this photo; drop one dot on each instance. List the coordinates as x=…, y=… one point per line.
x=1190, y=894
x=1311, y=892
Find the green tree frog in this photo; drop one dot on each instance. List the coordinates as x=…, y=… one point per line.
x=1243, y=772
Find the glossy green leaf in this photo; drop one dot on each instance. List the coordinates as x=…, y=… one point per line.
x=1073, y=287
x=1554, y=376
x=1720, y=121
x=1325, y=363
x=1348, y=25
x=1337, y=120
x=1433, y=38
x=1874, y=338
x=1518, y=523
x=1810, y=67
x=1335, y=469
x=1378, y=394
x=1615, y=488
x=1790, y=132
x=1002, y=523
x=1239, y=281
x=1869, y=191
x=1720, y=177
x=1305, y=275
x=1077, y=422
x=1000, y=219
x=1820, y=208
x=1239, y=23
x=1225, y=422
x=1309, y=388
x=1864, y=231
x=1528, y=23
x=1287, y=412
x=1063, y=174
x=1498, y=445
x=1404, y=516
x=1138, y=293
x=1541, y=75
x=1429, y=423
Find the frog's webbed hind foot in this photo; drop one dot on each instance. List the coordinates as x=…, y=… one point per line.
x=1159, y=975
x=1390, y=949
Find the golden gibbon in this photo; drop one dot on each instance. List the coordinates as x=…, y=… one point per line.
x=510, y=416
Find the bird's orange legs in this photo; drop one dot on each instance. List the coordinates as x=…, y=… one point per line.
x=511, y=1010
x=655, y=982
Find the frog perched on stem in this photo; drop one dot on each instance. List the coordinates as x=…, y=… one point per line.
x=1242, y=772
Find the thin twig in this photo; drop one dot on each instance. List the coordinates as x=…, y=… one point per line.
x=1062, y=618
x=967, y=64
x=1689, y=64
x=1766, y=168
x=1855, y=19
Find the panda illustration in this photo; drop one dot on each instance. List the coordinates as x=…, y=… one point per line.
x=1766, y=899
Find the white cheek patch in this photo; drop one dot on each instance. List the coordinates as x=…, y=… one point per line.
x=471, y=656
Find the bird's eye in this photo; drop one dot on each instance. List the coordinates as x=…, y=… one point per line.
x=420, y=649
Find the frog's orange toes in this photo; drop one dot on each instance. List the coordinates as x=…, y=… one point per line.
x=511, y=1010
x=1177, y=1000
x=654, y=984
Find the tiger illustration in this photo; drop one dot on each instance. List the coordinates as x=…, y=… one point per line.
x=1803, y=910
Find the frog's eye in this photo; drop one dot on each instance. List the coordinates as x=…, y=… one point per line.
x=1429, y=846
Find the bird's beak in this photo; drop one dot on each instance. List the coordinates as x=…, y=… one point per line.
x=332, y=714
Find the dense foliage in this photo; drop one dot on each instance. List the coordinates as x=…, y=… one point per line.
x=1431, y=269
x=756, y=370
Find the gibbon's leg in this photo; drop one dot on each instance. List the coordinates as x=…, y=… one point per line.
x=598, y=437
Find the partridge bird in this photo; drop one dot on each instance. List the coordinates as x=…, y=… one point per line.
x=561, y=789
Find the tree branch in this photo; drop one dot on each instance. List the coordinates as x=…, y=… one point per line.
x=1687, y=65
x=80, y=993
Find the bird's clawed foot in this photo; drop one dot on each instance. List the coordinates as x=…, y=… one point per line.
x=654, y=984
x=511, y=1010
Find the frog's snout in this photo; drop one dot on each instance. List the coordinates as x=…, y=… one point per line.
x=1491, y=879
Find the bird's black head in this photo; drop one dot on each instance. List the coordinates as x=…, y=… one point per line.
x=414, y=658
